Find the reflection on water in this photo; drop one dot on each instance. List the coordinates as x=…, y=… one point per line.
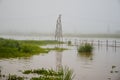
x=86, y=66
x=58, y=60
x=59, y=57
x=85, y=56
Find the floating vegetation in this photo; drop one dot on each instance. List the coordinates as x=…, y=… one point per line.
x=43, y=74
x=111, y=71
x=11, y=77
x=114, y=69
x=113, y=66
x=85, y=48
x=49, y=72
x=15, y=77
x=45, y=78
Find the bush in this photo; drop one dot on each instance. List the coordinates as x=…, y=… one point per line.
x=85, y=48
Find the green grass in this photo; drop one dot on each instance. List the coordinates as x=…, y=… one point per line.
x=14, y=77
x=23, y=48
x=43, y=71
x=50, y=74
x=85, y=48
x=41, y=42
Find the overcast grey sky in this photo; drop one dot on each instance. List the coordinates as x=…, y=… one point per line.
x=78, y=16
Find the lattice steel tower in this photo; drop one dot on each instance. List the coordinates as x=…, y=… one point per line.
x=59, y=38
x=58, y=31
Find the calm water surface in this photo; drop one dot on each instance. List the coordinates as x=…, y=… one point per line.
x=94, y=66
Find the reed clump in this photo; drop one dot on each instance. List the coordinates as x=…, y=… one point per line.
x=85, y=48
x=50, y=74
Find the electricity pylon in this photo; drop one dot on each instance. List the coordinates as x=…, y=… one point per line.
x=59, y=38
x=58, y=31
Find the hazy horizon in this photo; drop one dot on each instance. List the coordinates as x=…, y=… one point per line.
x=78, y=16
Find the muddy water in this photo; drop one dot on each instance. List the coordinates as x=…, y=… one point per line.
x=95, y=66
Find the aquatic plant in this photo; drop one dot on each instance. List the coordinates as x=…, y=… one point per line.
x=43, y=71
x=113, y=66
x=67, y=74
x=85, y=48
x=14, y=77
x=50, y=74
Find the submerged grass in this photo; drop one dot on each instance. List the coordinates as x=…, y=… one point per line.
x=15, y=77
x=50, y=74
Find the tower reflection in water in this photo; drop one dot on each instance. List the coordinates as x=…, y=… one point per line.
x=59, y=57
x=85, y=56
x=58, y=60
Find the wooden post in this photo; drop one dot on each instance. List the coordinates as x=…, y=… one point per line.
x=101, y=43
x=98, y=43
x=115, y=43
x=107, y=45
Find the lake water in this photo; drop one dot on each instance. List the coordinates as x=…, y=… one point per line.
x=95, y=66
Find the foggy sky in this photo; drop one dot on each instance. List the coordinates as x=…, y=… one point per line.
x=78, y=16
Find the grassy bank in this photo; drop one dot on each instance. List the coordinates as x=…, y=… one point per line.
x=26, y=48
x=40, y=42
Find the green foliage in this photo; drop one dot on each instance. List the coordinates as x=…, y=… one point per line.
x=85, y=48
x=67, y=74
x=41, y=42
x=44, y=74
x=50, y=74
x=29, y=48
x=45, y=78
x=13, y=48
x=14, y=77
x=24, y=48
x=27, y=72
